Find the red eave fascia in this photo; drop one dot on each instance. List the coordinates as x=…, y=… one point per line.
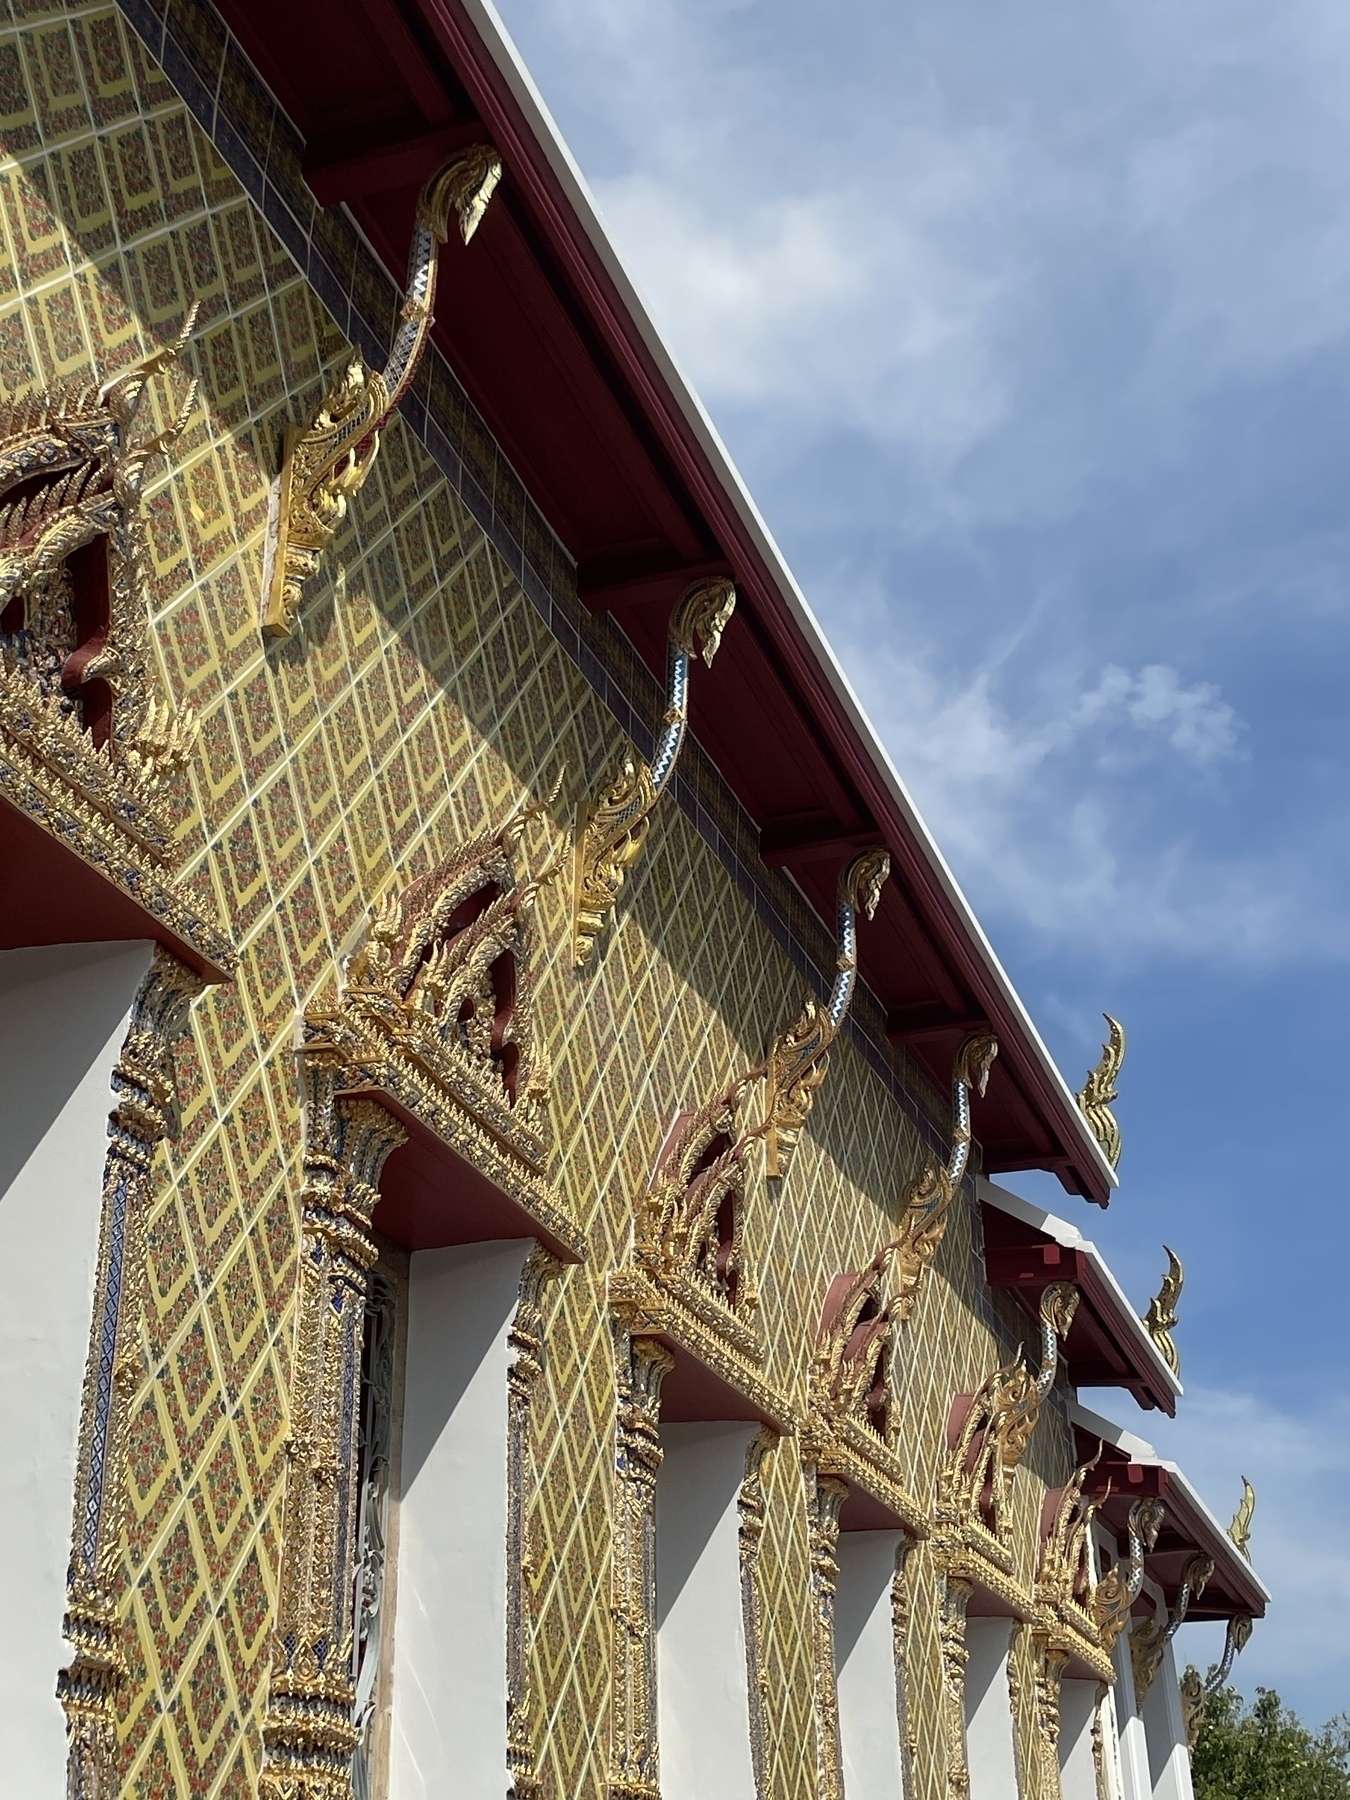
x=1027, y=1249
x=474, y=38
x=1129, y=1469
x=467, y=37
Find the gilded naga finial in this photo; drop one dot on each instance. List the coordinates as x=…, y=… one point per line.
x=1150, y=1640
x=1196, y=1694
x=612, y=829
x=1240, y=1531
x=1117, y=1591
x=1162, y=1312
x=929, y=1197
x=1099, y=1092
x=798, y=1058
x=326, y=462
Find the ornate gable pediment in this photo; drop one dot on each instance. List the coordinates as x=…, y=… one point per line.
x=988, y=1434
x=436, y=1014
x=689, y=1277
x=1071, y=1611
x=87, y=747
x=850, y=1430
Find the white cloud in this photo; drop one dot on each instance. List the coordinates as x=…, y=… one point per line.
x=1195, y=721
x=966, y=287
x=811, y=304
x=1049, y=246
x=1037, y=811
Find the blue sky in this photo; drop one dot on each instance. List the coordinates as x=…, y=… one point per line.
x=1029, y=328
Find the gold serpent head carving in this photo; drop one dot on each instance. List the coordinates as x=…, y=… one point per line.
x=703, y=614
x=798, y=1058
x=1240, y=1531
x=612, y=829
x=974, y=1060
x=928, y=1199
x=1162, y=1312
x=326, y=462
x=1197, y=1694
x=1149, y=1641
x=1099, y=1092
x=864, y=879
x=465, y=185
x=1122, y=1585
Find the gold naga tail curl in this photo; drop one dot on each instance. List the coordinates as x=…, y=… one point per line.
x=612, y=829
x=1099, y=1092
x=325, y=462
x=1196, y=1693
x=799, y=1057
x=1116, y=1592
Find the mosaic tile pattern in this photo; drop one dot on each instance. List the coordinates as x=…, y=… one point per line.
x=442, y=669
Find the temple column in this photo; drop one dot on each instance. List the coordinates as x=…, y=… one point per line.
x=308, y=1733
x=641, y=1363
x=142, y=1117
x=825, y=1496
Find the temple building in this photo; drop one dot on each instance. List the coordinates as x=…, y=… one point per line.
x=504, y=1104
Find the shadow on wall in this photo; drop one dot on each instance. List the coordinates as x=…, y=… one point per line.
x=59, y=1006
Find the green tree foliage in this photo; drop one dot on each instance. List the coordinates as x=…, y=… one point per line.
x=1266, y=1752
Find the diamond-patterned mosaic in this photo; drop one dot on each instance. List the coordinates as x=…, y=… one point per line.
x=441, y=670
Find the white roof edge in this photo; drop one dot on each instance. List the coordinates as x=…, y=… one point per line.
x=498, y=40
x=1140, y=1451
x=1062, y=1232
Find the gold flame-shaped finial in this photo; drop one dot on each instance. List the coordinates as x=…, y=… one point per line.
x=1099, y=1091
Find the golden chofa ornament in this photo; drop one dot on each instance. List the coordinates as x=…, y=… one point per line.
x=325, y=462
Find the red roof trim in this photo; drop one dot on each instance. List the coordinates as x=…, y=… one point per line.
x=544, y=268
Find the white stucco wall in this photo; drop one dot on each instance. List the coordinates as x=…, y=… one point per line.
x=864, y=1642
x=448, y=1728
x=1131, y=1747
x=63, y=1016
x=1165, y=1727
x=990, y=1750
x=1077, y=1705
x=702, y=1679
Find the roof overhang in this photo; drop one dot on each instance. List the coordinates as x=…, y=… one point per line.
x=547, y=333
x=1133, y=1470
x=1027, y=1249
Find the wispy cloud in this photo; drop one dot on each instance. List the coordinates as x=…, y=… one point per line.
x=1038, y=810
x=1029, y=327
